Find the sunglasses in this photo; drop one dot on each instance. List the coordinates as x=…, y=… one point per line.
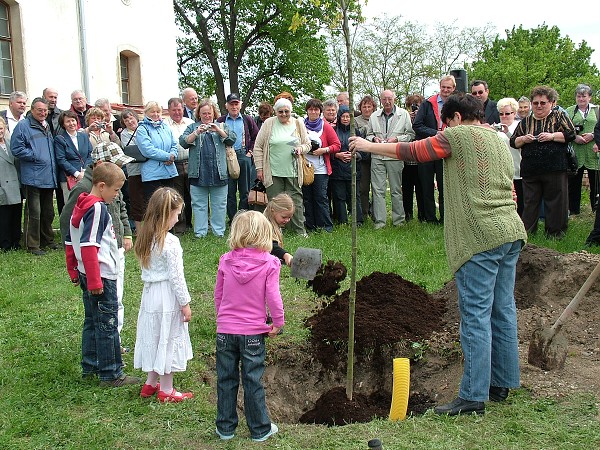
x=477, y=92
x=505, y=114
x=539, y=103
x=283, y=111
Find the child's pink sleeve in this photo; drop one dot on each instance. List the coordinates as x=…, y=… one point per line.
x=219, y=289
x=273, y=294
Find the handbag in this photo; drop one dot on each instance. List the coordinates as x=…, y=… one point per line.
x=233, y=165
x=572, y=164
x=308, y=170
x=258, y=194
x=133, y=151
x=71, y=182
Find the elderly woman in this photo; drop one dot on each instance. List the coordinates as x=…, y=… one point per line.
x=507, y=108
x=73, y=150
x=156, y=142
x=326, y=144
x=584, y=117
x=524, y=108
x=278, y=143
x=207, y=169
x=330, y=110
x=135, y=189
x=95, y=121
x=543, y=137
x=366, y=106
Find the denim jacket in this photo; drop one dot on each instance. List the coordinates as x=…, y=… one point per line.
x=196, y=147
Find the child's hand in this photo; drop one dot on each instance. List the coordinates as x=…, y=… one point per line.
x=75, y=281
x=187, y=313
x=99, y=291
x=274, y=331
x=288, y=259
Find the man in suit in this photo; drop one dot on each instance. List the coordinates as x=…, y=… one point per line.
x=479, y=89
x=190, y=103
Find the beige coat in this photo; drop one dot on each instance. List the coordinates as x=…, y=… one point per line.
x=261, y=148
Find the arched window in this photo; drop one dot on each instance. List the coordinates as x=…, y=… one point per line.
x=131, y=79
x=6, y=59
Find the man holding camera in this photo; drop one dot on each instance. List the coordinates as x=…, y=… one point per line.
x=584, y=116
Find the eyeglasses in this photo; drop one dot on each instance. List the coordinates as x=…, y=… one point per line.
x=477, y=92
x=539, y=103
x=283, y=111
x=506, y=114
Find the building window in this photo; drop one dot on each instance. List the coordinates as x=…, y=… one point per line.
x=124, y=79
x=6, y=59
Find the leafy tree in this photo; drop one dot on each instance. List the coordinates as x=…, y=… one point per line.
x=258, y=47
x=527, y=58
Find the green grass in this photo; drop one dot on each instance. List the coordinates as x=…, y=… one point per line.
x=45, y=404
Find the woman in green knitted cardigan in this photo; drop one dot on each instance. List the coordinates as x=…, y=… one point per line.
x=484, y=236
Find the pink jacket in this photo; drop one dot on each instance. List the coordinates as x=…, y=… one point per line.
x=247, y=282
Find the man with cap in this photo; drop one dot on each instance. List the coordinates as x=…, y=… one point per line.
x=246, y=130
x=105, y=152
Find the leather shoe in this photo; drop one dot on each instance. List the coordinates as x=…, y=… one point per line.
x=498, y=394
x=37, y=252
x=460, y=406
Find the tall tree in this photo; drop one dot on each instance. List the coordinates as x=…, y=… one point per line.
x=526, y=58
x=257, y=47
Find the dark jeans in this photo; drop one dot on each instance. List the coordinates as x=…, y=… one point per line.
x=411, y=186
x=39, y=214
x=233, y=349
x=365, y=185
x=10, y=226
x=427, y=172
x=575, y=189
x=182, y=185
x=241, y=185
x=100, y=343
x=316, y=204
x=341, y=190
x=150, y=186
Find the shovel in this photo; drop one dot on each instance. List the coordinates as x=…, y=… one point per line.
x=548, y=346
x=306, y=262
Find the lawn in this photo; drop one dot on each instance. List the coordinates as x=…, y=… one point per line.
x=44, y=403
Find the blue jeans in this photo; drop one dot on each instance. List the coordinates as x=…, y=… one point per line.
x=488, y=321
x=100, y=343
x=201, y=196
x=241, y=185
x=316, y=204
x=250, y=351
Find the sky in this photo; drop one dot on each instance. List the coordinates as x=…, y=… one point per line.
x=578, y=21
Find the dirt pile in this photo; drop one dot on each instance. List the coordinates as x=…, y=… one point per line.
x=328, y=278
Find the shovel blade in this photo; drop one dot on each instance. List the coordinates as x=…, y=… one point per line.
x=306, y=263
x=547, y=349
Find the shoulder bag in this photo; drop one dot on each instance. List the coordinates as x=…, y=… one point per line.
x=233, y=166
x=133, y=151
x=308, y=170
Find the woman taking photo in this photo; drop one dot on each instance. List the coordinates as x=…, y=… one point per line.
x=73, y=150
x=156, y=142
x=543, y=137
x=207, y=168
x=326, y=144
x=97, y=128
x=129, y=122
x=278, y=143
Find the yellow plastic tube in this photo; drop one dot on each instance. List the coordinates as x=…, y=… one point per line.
x=401, y=389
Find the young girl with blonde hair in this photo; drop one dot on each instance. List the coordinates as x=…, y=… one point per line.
x=247, y=282
x=279, y=212
x=163, y=343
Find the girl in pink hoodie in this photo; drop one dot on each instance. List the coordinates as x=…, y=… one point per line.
x=247, y=282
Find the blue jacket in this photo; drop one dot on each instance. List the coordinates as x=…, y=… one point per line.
x=33, y=145
x=196, y=148
x=157, y=144
x=68, y=157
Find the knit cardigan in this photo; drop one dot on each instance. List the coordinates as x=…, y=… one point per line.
x=262, y=151
x=479, y=210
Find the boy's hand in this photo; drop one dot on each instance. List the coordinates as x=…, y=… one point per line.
x=75, y=281
x=127, y=243
x=97, y=291
x=187, y=313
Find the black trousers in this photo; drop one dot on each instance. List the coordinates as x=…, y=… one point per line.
x=427, y=172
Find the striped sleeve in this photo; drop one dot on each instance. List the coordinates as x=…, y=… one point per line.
x=95, y=220
x=424, y=150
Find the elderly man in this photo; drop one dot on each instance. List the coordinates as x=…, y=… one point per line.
x=479, y=89
x=33, y=144
x=113, y=124
x=246, y=130
x=190, y=102
x=79, y=106
x=343, y=99
x=17, y=103
x=428, y=123
x=178, y=124
x=388, y=124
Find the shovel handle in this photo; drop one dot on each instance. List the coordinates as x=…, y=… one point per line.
x=571, y=307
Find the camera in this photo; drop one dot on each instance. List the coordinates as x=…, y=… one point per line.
x=102, y=125
x=498, y=126
x=414, y=107
x=578, y=129
x=314, y=145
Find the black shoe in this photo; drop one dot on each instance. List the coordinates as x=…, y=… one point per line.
x=498, y=394
x=37, y=252
x=53, y=246
x=460, y=406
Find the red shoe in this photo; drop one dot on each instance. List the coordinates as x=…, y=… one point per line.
x=174, y=396
x=148, y=390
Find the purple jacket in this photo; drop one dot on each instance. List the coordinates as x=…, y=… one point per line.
x=247, y=282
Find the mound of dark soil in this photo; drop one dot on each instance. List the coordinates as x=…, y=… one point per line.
x=327, y=280
x=388, y=309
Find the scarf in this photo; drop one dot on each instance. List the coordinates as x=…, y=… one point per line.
x=314, y=125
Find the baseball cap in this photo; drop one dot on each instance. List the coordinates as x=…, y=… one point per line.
x=111, y=152
x=233, y=98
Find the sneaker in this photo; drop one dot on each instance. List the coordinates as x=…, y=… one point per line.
x=271, y=432
x=174, y=396
x=122, y=381
x=224, y=437
x=148, y=390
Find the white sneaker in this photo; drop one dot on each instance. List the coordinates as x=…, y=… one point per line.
x=273, y=430
x=224, y=437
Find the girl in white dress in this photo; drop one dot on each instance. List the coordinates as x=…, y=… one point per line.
x=163, y=342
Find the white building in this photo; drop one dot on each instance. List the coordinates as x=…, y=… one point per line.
x=123, y=50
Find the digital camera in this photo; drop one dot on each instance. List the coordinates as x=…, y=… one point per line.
x=498, y=126
x=578, y=129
